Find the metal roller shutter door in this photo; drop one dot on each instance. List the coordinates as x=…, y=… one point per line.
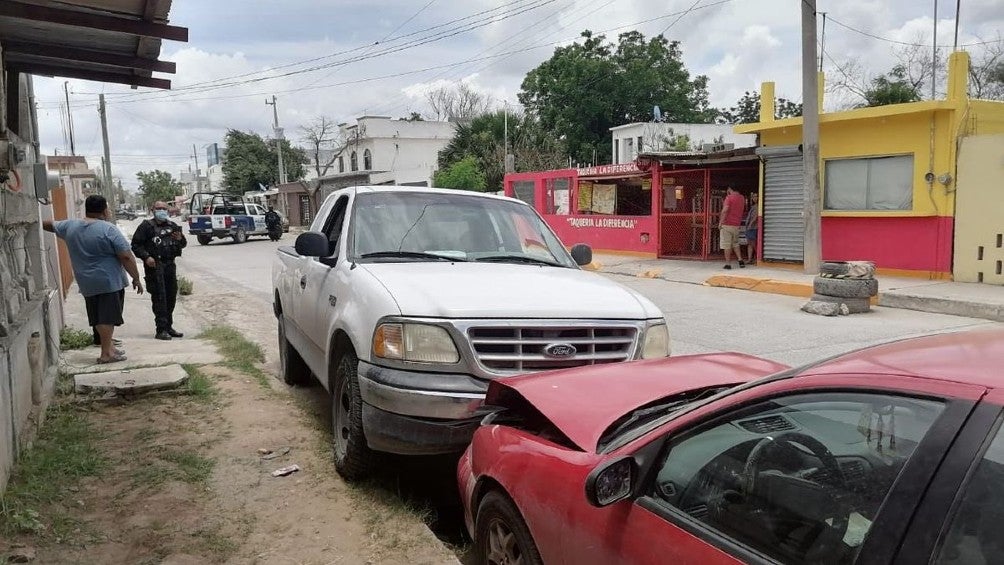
x=782, y=208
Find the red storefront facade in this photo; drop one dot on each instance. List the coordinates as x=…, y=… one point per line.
x=662, y=205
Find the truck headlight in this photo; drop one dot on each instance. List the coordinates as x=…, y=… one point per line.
x=656, y=342
x=420, y=343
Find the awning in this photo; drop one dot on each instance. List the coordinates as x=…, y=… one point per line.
x=101, y=40
x=769, y=151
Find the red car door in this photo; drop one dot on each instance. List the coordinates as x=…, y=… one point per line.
x=757, y=476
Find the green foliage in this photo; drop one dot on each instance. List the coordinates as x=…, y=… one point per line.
x=240, y=353
x=892, y=88
x=185, y=286
x=586, y=88
x=64, y=453
x=251, y=160
x=462, y=175
x=483, y=138
x=747, y=109
x=157, y=185
x=72, y=338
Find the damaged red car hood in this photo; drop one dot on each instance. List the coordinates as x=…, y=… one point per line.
x=584, y=402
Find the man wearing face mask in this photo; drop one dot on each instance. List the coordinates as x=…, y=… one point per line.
x=158, y=242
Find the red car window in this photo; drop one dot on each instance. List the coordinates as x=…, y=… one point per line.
x=798, y=478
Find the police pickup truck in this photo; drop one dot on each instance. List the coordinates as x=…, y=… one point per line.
x=406, y=302
x=213, y=215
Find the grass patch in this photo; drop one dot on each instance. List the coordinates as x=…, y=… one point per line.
x=64, y=453
x=185, y=286
x=162, y=463
x=72, y=338
x=198, y=384
x=240, y=353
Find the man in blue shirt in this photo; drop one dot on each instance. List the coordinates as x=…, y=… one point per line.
x=99, y=253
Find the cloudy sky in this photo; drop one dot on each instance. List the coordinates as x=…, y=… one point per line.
x=346, y=58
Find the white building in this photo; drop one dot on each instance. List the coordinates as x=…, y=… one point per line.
x=391, y=151
x=631, y=139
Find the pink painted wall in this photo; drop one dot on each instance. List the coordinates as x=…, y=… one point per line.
x=607, y=233
x=908, y=243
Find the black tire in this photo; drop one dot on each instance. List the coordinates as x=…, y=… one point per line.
x=834, y=268
x=204, y=239
x=854, y=305
x=845, y=288
x=354, y=459
x=498, y=517
x=291, y=364
x=240, y=236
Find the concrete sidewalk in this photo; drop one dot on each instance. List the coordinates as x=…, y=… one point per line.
x=941, y=297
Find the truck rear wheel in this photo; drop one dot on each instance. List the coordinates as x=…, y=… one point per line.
x=294, y=369
x=353, y=458
x=204, y=239
x=240, y=236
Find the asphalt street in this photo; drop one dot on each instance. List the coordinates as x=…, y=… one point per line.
x=702, y=319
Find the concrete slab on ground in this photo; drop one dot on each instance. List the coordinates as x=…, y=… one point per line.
x=143, y=352
x=131, y=381
x=960, y=299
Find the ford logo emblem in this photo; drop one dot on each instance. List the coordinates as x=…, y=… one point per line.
x=559, y=350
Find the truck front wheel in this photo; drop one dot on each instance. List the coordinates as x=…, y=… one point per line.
x=353, y=458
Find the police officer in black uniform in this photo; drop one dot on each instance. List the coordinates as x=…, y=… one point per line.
x=158, y=242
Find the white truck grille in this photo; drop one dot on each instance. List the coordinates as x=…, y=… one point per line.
x=506, y=349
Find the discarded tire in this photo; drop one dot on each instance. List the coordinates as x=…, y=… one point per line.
x=854, y=305
x=833, y=268
x=845, y=288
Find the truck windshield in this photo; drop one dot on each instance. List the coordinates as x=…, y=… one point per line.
x=428, y=226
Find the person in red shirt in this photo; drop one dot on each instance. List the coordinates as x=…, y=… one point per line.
x=728, y=226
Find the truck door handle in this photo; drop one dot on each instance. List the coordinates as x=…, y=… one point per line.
x=303, y=281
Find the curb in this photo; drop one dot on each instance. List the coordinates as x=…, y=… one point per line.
x=951, y=307
x=770, y=286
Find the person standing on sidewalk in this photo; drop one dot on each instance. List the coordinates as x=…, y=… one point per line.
x=158, y=242
x=100, y=257
x=729, y=224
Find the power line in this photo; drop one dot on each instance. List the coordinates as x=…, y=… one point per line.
x=897, y=42
x=673, y=23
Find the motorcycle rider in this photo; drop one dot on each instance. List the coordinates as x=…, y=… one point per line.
x=158, y=242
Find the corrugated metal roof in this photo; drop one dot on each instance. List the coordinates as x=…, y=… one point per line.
x=102, y=40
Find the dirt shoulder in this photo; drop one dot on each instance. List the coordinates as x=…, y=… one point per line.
x=179, y=478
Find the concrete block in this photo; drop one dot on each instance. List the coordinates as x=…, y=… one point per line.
x=7, y=436
x=128, y=382
x=144, y=352
x=943, y=305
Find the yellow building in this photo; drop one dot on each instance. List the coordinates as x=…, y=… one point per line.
x=890, y=178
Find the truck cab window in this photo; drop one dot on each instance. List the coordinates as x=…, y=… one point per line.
x=333, y=229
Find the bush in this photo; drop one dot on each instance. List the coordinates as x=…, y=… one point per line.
x=184, y=286
x=72, y=338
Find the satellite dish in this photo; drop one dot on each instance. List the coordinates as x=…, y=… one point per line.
x=657, y=114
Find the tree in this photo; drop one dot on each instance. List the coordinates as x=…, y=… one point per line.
x=463, y=175
x=588, y=87
x=747, y=109
x=252, y=162
x=483, y=138
x=459, y=102
x=322, y=136
x=892, y=88
x=157, y=185
x=986, y=72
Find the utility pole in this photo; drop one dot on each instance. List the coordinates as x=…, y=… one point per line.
x=812, y=246
x=109, y=190
x=934, y=53
x=196, y=155
x=69, y=116
x=278, y=137
x=822, y=42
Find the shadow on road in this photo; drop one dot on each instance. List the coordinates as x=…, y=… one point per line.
x=425, y=484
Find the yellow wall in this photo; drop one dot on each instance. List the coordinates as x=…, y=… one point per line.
x=984, y=118
x=890, y=135
x=979, y=221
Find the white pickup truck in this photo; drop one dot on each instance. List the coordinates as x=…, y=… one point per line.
x=405, y=302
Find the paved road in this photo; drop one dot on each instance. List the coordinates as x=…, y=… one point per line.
x=702, y=319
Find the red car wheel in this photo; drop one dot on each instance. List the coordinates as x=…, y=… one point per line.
x=501, y=534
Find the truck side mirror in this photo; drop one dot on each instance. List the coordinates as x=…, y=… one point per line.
x=582, y=254
x=312, y=244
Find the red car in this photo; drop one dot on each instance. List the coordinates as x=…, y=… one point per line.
x=891, y=454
